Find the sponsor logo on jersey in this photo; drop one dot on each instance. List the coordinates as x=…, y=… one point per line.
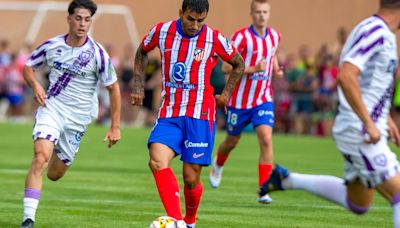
x=199, y=54
x=68, y=68
x=189, y=144
x=178, y=76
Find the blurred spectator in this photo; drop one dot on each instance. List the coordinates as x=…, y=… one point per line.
x=218, y=82
x=282, y=102
x=152, y=87
x=337, y=47
x=326, y=100
x=303, y=108
x=14, y=82
x=128, y=112
x=5, y=61
x=305, y=59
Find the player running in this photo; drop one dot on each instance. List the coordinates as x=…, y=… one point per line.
x=76, y=63
x=367, y=72
x=251, y=101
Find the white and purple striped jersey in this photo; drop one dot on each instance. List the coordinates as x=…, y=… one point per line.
x=372, y=47
x=74, y=75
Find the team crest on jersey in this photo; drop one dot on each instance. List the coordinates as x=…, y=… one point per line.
x=85, y=57
x=199, y=54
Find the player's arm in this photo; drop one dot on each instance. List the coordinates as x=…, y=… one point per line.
x=138, y=82
x=114, y=134
x=30, y=79
x=277, y=70
x=236, y=73
x=348, y=81
x=259, y=67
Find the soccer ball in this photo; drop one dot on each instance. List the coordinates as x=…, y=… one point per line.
x=167, y=222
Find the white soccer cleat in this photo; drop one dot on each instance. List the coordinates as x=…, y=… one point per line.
x=215, y=174
x=265, y=199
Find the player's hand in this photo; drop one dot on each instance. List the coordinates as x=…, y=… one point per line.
x=221, y=102
x=278, y=73
x=112, y=136
x=373, y=133
x=394, y=133
x=137, y=96
x=261, y=66
x=40, y=94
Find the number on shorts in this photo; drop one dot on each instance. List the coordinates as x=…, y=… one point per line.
x=232, y=118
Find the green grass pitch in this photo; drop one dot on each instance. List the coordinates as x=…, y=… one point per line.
x=114, y=188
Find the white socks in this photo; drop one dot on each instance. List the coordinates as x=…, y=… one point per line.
x=328, y=187
x=30, y=206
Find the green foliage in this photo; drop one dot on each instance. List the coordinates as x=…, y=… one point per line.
x=114, y=187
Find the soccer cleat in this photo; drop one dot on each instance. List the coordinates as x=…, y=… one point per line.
x=190, y=225
x=275, y=181
x=28, y=223
x=265, y=199
x=215, y=174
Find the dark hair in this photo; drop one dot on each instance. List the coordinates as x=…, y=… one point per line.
x=390, y=4
x=86, y=4
x=198, y=6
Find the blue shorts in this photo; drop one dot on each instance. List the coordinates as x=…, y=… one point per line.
x=191, y=138
x=15, y=99
x=238, y=119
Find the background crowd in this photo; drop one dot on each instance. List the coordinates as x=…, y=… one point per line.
x=305, y=97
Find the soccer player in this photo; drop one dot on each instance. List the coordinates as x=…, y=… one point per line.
x=186, y=121
x=367, y=68
x=251, y=100
x=76, y=63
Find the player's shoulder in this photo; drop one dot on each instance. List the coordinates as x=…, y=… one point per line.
x=56, y=40
x=240, y=31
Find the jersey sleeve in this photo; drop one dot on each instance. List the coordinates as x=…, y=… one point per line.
x=363, y=49
x=105, y=68
x=38, y=57
x=224, y=47
x=239, y=41
x=150, y=41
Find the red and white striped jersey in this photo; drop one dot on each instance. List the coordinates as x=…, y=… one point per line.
x=254, y=89
x=187, y=63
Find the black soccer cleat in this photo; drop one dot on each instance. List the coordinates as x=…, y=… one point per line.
x=28, y=223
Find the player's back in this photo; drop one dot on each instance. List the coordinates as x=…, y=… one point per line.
x=372, y=48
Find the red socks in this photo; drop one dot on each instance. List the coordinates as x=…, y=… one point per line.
x=168, y=188
x=221, y=159
x=264, y=172
x=192, y=201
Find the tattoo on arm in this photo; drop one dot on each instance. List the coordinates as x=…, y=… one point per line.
x=138, y=71
x=238, y=66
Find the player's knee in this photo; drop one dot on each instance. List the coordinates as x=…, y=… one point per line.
x=40, y=159
x=156, y=165
x=54, y=176
x=266, y=139
x=190, y=181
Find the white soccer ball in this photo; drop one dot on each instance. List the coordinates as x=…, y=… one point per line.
x=167, y=222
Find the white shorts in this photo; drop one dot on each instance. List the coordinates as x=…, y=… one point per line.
x=370, y=163
x=65, y=134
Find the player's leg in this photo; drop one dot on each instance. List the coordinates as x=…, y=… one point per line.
x=223, y=152
x=262, y=118
x=193, y=190
x=33, y=183
x=236, y=121
x=199, y=143
x=56, y=168
x=390, y=189
x=45, y=135
x=164, y=143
